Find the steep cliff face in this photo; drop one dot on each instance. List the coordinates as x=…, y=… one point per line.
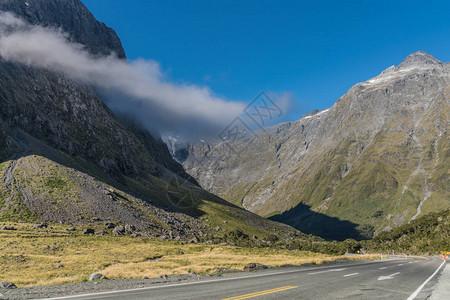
x=66, y=157
x=376, y=159
x=70, y=117
x=72, y=17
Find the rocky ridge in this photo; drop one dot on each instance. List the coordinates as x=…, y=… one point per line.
x=72, y=17
x=377, y=158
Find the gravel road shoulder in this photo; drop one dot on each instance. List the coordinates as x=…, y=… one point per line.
x=442, y=288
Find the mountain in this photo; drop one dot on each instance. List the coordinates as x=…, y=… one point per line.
x=66, y=157
x=73, y=18
x=376, y=159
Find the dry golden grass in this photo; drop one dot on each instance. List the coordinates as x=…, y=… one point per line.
x=37, y=257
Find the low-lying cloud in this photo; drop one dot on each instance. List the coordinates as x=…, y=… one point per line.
x=138, y=87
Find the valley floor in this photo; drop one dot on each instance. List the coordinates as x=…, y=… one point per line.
x=55, y=255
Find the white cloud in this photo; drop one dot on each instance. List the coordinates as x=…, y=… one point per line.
x=138, y=87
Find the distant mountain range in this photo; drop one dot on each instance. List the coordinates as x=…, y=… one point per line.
x=376, y=159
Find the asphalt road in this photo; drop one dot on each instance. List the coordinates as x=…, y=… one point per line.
x=390, y=279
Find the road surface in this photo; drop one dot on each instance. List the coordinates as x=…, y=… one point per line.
x=410, y=278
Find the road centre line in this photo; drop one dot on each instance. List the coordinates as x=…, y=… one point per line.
x=261, y=293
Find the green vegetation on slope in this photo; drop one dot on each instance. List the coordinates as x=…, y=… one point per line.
x=428, y=234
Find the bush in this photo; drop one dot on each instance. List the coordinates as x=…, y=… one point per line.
x=54, y=182
x=272, y=238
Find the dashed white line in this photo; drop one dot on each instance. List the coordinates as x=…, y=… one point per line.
x=416, y=292
x=326, y=271
x=351, y=274
x=383, y=268
x=400, y=265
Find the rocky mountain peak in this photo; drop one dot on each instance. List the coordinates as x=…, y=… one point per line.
x=419, y=58
x=343, y=163
x=72, y=17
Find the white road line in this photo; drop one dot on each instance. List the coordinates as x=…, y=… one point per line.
x=416, y=292
x=332, y=270
x=400, y=265
x=351, y=274
x=392, y=276
x=383, y=268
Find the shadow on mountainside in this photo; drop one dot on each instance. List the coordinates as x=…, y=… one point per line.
x=329, y=228
x=163, y=193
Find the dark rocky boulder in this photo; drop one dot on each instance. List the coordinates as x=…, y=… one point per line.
x=254, y=267
x=7, y=285
x=88, y=231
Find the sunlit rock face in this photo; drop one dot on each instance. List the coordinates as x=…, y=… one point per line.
x=378, y=157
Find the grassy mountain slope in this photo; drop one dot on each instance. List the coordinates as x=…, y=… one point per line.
x=428, y=234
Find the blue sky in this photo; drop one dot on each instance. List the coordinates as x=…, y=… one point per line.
x=315, y=50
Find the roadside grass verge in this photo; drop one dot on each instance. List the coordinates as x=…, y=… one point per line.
x=36, y=257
